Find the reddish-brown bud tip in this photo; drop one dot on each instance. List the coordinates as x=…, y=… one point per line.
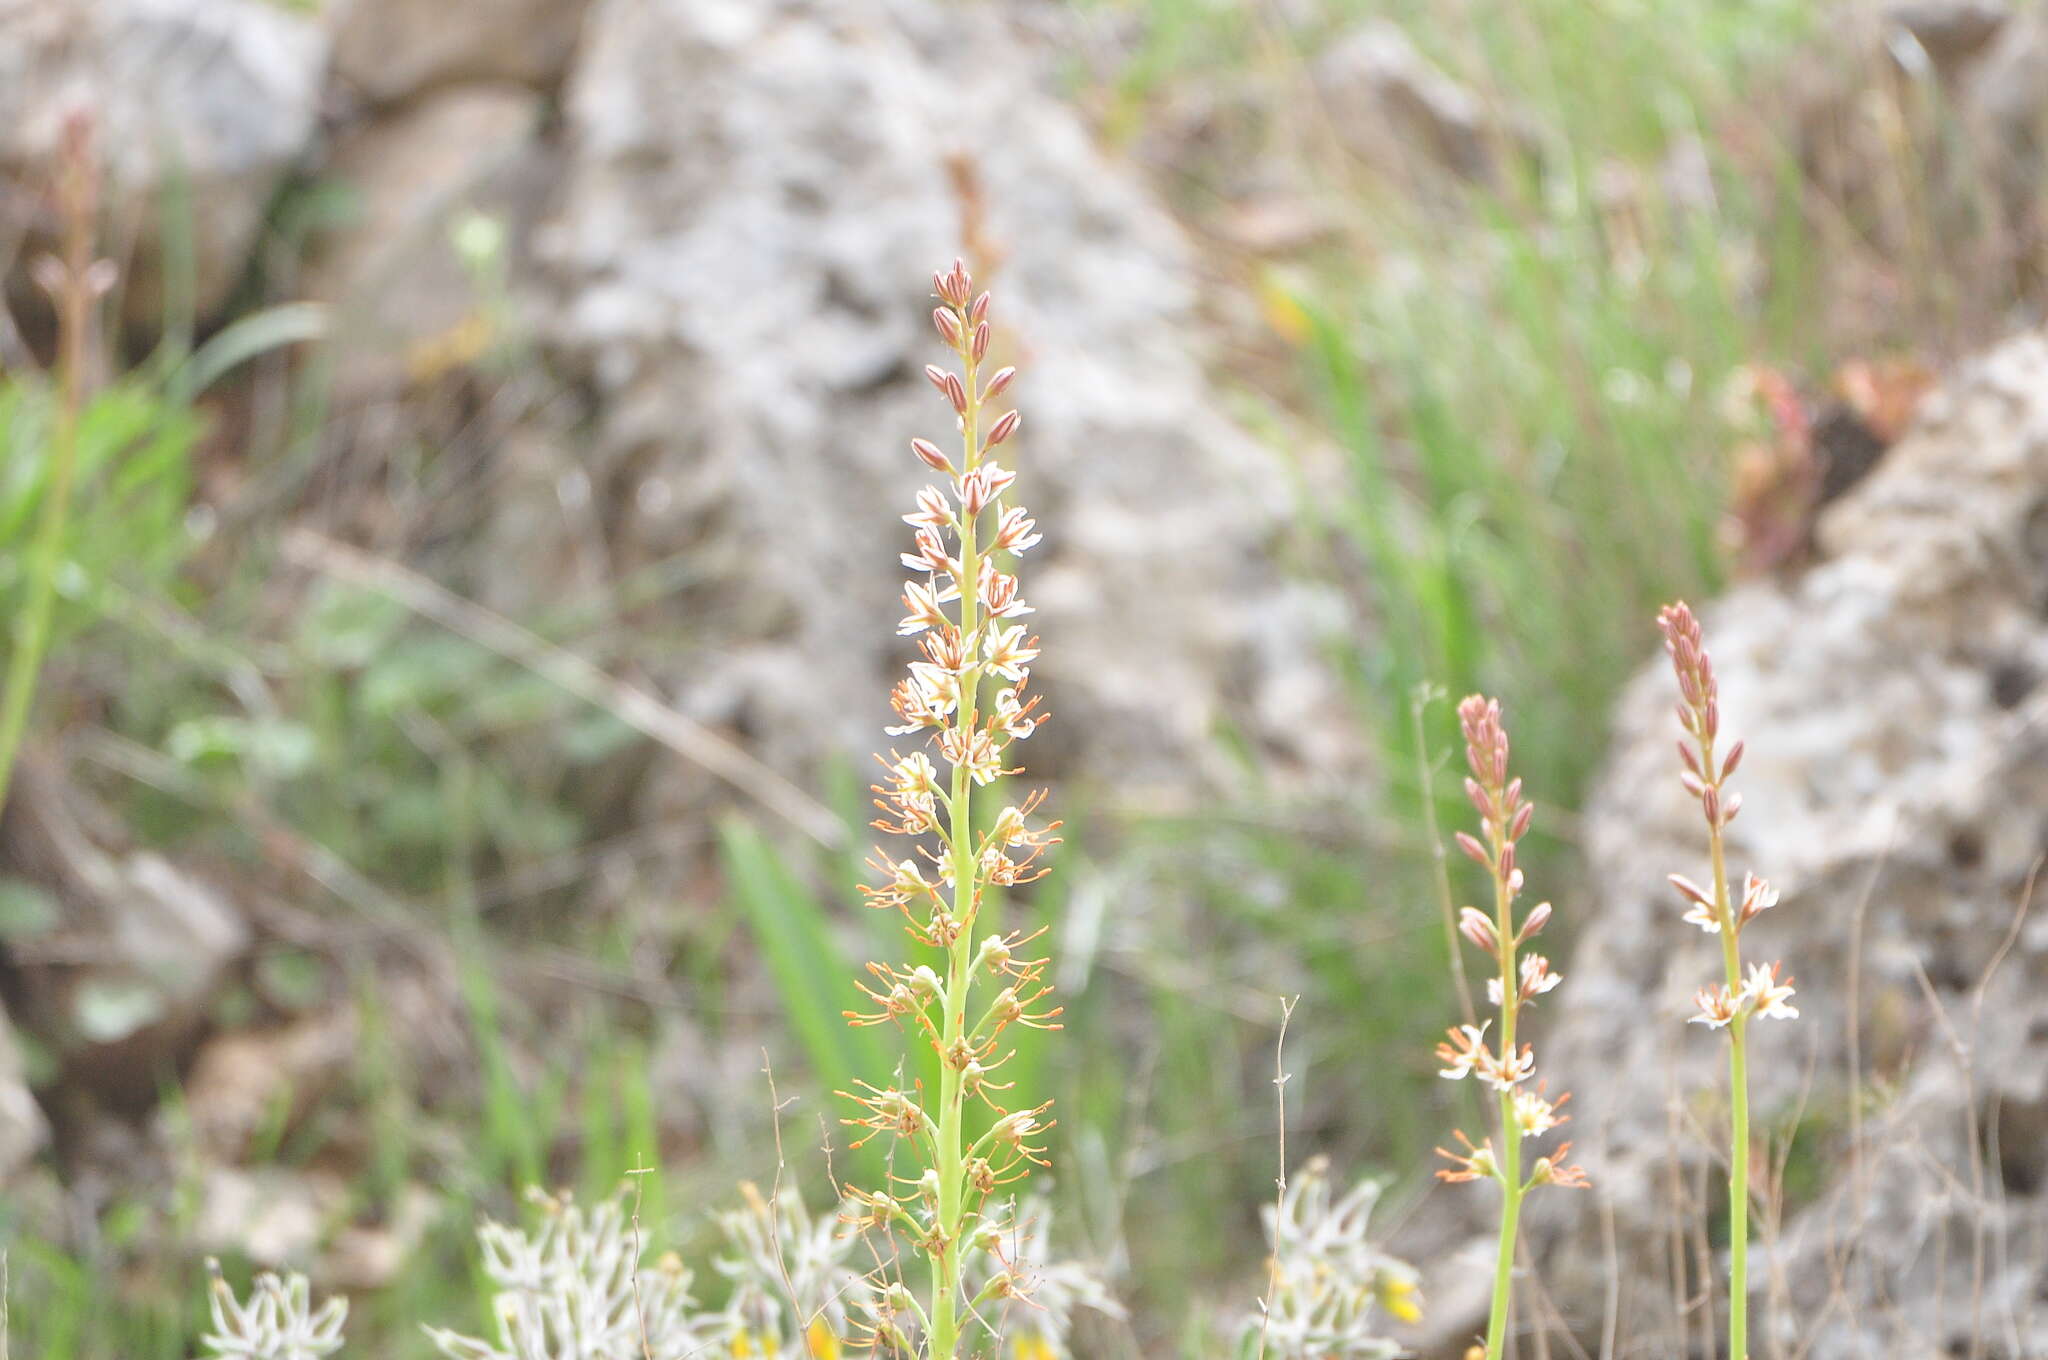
x=1690, y=890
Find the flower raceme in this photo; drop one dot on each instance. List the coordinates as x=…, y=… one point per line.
x=1730, y=1004
x=968, y=698
x=1713, y=909
x=1525, y=1109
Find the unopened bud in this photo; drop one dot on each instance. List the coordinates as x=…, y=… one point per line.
x=1538, y=918
x=980, y=312
x=947, y=322
x=998, y=383
x=981, y=334
x=929, y=453
x=1003, y=428
x=1474, y=851
x=1733, y=758
x=1474, y=926
x=1691, y=890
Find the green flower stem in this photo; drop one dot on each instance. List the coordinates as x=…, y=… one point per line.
x=951, y=1162
x=1510, y=1171
x=1738, y=1100
x=32, y=624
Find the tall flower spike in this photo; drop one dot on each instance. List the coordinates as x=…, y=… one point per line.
x=1731, y=1003
x=1525, y=1110
x=968, y=701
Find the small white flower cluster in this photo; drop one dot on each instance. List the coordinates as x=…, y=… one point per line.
x=793, y=1282
x=574, y=1289
x=278, y=1322
x=1329, y=1282
x=1049, y=1293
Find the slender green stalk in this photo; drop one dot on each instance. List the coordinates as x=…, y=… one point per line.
x=72, y=288
x=1512, y=1188
x=960, y=974
x=1738, y=1098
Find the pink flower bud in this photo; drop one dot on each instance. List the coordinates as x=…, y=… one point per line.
x=1691, y=890
x=1474, y=926
x=1481, y=799
x=954, y=285
x=956, y=393
x=929, y=453
x=980, y=312
x=998, y=383
x=981, y=340
x=1538, y=918
x=1474, y=850
x=936, y=376
x=1521, y=822
x=1729, y=809
x=947, y=321
x=1733, y=759
x=1003, y=428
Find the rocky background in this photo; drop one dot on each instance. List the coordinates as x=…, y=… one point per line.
x=647, y=279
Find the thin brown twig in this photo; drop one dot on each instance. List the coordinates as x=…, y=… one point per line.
x=573, y=675
x=1287, y=1004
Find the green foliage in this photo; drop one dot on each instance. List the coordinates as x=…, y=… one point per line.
x=127, y=527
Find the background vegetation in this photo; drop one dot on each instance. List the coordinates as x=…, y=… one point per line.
x=1526, y=392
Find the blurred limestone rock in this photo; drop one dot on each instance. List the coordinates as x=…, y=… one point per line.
x=1895, y=789
x=200, y=108
x=391, y=50
x=1399, y=112
x=118, y=981
x=423, y=180
x=738, y=275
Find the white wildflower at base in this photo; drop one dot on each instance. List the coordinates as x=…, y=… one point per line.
x=1032, y=1301
x=1329, y=1282
x=278, y=1322
x=792, y=1277
x=576, y=1289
